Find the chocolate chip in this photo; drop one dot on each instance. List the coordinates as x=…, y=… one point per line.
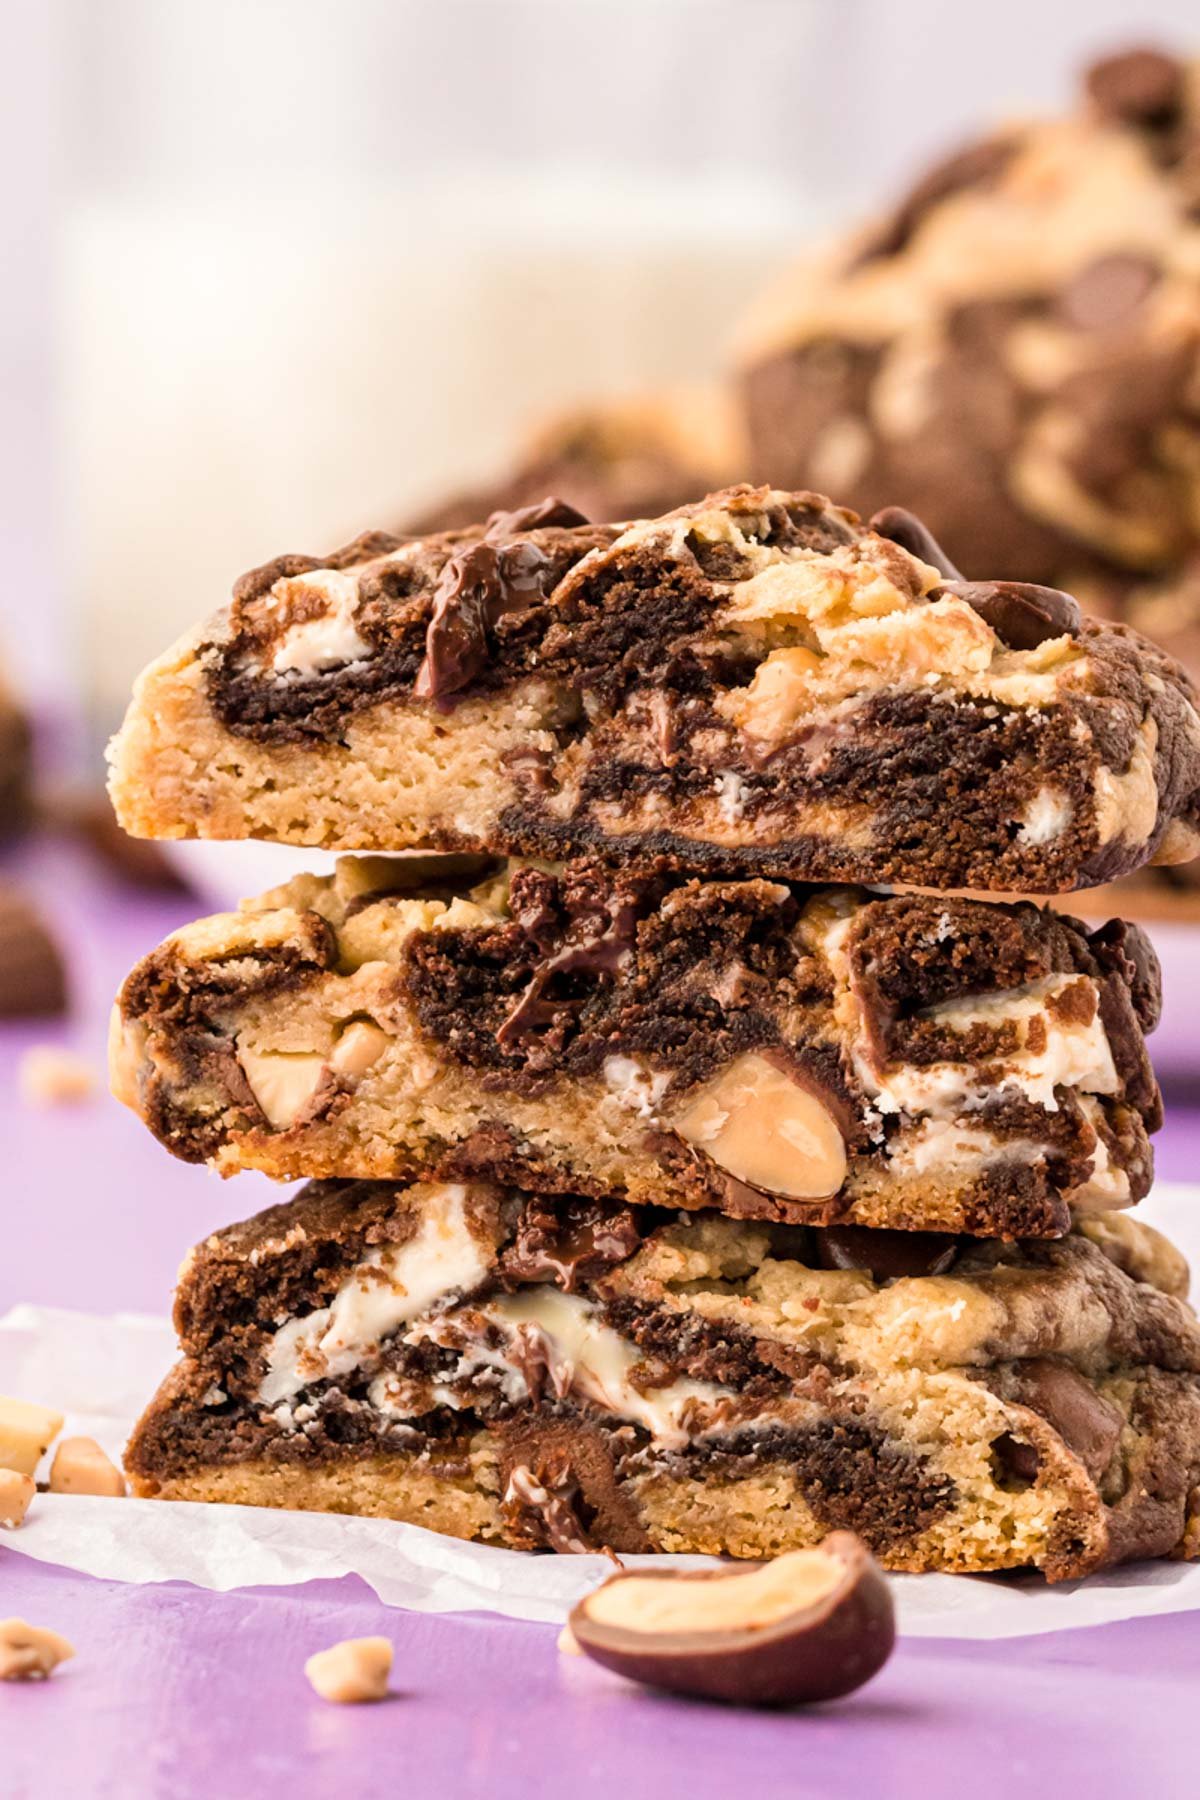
x=885, y=1255
x=1138, y=87
x=1107, y=292
x=545, y=513
x=478, y=586
x=1088, y=1424
x=1021, y=614
x=905, y=529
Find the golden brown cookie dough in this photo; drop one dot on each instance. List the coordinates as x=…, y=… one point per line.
x=757, y=683
x=810, y=1055
x=570, y=1374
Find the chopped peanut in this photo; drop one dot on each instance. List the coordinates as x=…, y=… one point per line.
x=52, y=1077
x=26, y=1433
x=356, y=1669
x=29, y=1653
x=81, y=1467
x=16, y=1491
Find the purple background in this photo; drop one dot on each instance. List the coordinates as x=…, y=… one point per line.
x=200, y=1696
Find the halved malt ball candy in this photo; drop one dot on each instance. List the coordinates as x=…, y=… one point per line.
x=809, y=1626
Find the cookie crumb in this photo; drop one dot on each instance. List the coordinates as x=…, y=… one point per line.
x=355, y=1670
x=52, y=1077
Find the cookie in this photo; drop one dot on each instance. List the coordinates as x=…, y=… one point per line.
x=759, y=683
x=910, y=1061
x=630, y=458
x=1014, y=350
x=570, y=1375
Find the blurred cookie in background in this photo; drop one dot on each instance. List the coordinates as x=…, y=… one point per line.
x=16, y=765
x=33, y=979
x=634, y=457
x=1014, y=350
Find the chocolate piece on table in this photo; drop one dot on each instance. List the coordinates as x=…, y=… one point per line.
x=33, y=978
x=755, y=684
x=833, y=1058
x=811, y=1625
x=703, y=1386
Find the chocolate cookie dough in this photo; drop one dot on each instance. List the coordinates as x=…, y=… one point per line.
x=570, y=1376
x=1014, y=350
x=758, y=683
x=827, y=1056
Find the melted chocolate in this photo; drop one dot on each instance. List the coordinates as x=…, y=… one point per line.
x=885, y=1255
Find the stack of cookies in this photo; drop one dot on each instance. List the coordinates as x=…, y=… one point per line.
x=707, y=1144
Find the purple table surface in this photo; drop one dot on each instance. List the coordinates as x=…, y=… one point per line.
x=199, y=1696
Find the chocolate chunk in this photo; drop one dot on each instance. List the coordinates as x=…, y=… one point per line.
x=1125, y=949
x=1138, y=87
x=570, y=1242
x=547, y=512
x=478, y=586
x=732, y=1636
x=33, y=980
x=1107, y=292
x=905, y=529
x=1088, y=1424
x=1021, y=614
x=885, y=1255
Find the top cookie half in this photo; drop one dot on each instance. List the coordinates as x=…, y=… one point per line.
x=758, y=683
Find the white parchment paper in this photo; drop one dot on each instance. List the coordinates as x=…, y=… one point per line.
x=101, y=1371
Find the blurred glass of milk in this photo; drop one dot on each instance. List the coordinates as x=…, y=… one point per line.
x=323, y=263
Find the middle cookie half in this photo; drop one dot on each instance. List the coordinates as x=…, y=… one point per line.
x=814, y=1056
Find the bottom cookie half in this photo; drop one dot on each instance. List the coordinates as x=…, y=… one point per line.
x=570, y=1376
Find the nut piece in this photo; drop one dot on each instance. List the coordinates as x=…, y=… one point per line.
x=358, y=1049
x=26, y=1433
x=51, y=1077
x=16, y=1491
x=81, y=1467
x=567, y=1644
x=356, y=1669
x=28, y=1653
x=809, y=1626
x=282, y=1081
x=761, y=1126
